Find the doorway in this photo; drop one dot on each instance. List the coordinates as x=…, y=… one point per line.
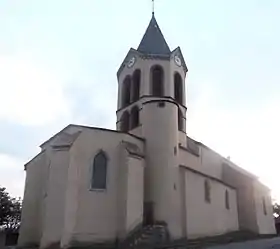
x=148, y=213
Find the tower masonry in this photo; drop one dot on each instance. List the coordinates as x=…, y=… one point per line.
x=152, y=105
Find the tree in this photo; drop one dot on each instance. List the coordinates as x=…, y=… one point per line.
x=10, y=211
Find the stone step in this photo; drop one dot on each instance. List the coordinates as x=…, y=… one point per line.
x=150, y=236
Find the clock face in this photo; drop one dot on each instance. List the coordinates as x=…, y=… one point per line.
x=131, y=62
x=177, y=60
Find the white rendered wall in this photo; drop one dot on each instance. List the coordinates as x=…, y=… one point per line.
x=135, y=192
x=265, y=221
x=55, y=198
x=208, y=219
x=33, y=202
x=96, y=215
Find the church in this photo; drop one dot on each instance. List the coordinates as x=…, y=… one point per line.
x=94, y=185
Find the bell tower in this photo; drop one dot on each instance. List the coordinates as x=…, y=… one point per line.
x=152, y=71
x=152, y=105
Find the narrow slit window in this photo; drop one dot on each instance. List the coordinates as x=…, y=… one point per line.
x=227, y=200
x=264, y=206
x=207, y=191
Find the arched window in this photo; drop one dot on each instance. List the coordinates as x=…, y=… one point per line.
x=134, y=117
x=157, y=81
x=136, y=79
x=124, y=122
x=180, y=120
x=178, y=88
x=227, y=199
x=264, y=206
x=126, y=91
x=99, y=171
x=207, y=191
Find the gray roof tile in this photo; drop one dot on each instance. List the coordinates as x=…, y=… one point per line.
x=153, y=41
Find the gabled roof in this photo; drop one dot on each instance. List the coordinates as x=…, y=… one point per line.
x=66, y=139
x=131, y=52
x=178, y=52
x=64, y=136
x=153, y=46
x=153, y=41
x=69, y=138
x=133, y=149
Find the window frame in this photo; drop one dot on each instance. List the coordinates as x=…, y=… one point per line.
x=207, y=191
x=132, y=124
x=136, y=85
x=178, y=88
x=125, y=117
x=180, y=120
x=91, y=187
x=264, y=206
x=152, y=81
x=126, y=91
x=227, y=202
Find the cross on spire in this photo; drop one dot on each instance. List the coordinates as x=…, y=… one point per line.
x=153, y=7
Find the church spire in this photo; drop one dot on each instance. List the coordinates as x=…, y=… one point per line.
x=153, y=41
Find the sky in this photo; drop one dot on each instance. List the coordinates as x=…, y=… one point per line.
x=58, y=64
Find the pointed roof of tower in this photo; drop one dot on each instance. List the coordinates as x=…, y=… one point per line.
x=153, y=41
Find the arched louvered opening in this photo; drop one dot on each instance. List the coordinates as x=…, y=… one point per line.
x=134, y=117
x=136, y=79
x=99, y=171
x=126, y=88
x=207, y=191
x=180, y=120
x=157, y=81
x=227, y=199
x=178, y=88
x=124, y=122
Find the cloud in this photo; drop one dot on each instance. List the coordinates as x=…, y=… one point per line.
x=248, y=135
x=33, y=106
x=19, y=140
x=30, y=94
x=12, y=177
x=36, y=102
x=92, y=96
